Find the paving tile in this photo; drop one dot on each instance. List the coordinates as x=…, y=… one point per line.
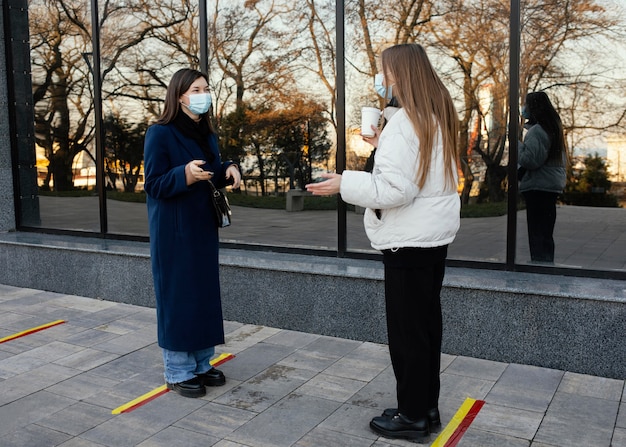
x=621, y=416
x=321, y=437
x=508, y=421
x=265, y=389
x=332, y=346
x=293, y=339
x=12, y=322
x=591, y=386
x=331, y=387
x=379, y=393
x=353, y=420
x=312, y=360
x=246, y=336
x=21, y=386
x=479, y=438
x=215, y=420
x=83, y=386
x=226, y=443
x=176, y=437
x=619, y=437
x=574, y=420
x=30, y=409
x=18, y=364
x=76, y=418
x=462, y=387
x=526, y=387
x=253, y=360
x=79, y=442
x=83, y=304
x=54, y=351
x=446, y=360
x=122, y=392
x=263, y=431
x=477, y=368
x=130, y=429
x=33, y=435
x=89, y=337
x=87, y=359
x=364, y=363
x=130, y=342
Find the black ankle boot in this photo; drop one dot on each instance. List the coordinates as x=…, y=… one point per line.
x=434, y=420
x=400, y=427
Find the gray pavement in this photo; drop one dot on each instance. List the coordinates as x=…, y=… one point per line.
x=59, y=386
x=585, y=237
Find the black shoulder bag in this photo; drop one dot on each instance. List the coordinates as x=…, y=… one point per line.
x=222, y=207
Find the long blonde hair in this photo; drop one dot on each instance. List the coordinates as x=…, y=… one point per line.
x=427, y=103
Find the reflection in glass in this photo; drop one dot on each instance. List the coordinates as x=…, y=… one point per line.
x=274, y=104
x=579, y=62
x=63, y=126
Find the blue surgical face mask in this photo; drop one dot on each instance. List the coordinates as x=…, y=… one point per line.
x=199, y=103
x=383, y=92
x=525, y=112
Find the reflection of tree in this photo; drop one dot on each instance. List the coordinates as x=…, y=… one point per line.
x=285, y=142
x=60, y=92
x=63, y=101
x=123, y=151
x=250, y=53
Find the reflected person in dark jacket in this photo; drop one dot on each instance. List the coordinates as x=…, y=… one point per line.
x=542, y=160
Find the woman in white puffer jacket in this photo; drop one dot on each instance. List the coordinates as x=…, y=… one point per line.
x=413, y=213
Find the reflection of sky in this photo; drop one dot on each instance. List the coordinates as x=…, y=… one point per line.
x=583, y=152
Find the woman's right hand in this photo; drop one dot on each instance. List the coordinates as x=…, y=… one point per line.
x=373, y=140
x=194, y=172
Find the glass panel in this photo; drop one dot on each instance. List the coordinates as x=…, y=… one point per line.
x=274, y=106
x=476, y=73
x=579, y=63
x=64, y=137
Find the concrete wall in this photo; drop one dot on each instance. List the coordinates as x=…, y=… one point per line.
x=572, y=324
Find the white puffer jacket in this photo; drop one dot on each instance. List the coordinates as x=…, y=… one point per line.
x=409, y=216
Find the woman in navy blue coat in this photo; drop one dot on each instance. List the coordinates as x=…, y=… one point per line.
x=180, y=157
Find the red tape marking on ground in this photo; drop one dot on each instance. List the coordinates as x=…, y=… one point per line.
x=454, y=431
x=31, y=331
x=159, y=391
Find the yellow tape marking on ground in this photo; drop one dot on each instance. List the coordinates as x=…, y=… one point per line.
x=151, y=395
x=30, y=331
x=454, y=423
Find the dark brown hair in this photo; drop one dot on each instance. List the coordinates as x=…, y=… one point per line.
x=179, y=84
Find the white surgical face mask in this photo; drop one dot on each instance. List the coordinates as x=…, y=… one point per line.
x=383, y=92
x=199, y=103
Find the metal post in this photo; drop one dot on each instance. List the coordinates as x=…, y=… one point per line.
x=97, y=98
x=340, y=85
x=514, y=125
x=204, y=38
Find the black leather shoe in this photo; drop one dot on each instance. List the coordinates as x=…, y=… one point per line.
x=400, y=427
x=434, y=420
x=213, y=377
x=188, y=388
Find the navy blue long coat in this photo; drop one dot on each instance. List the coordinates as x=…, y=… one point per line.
x=183, y=241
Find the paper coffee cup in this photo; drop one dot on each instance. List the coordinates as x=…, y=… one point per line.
x=370, y=116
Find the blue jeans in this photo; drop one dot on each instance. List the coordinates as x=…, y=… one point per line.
x=181, y=366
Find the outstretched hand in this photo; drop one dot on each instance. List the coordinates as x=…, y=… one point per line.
x=328, y=187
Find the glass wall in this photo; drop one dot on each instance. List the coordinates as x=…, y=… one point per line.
x=273, y=79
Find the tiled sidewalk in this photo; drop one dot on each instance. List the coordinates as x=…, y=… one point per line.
x=59, y=386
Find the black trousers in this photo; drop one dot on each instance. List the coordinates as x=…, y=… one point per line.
x=413, y=278
x=540, y=220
